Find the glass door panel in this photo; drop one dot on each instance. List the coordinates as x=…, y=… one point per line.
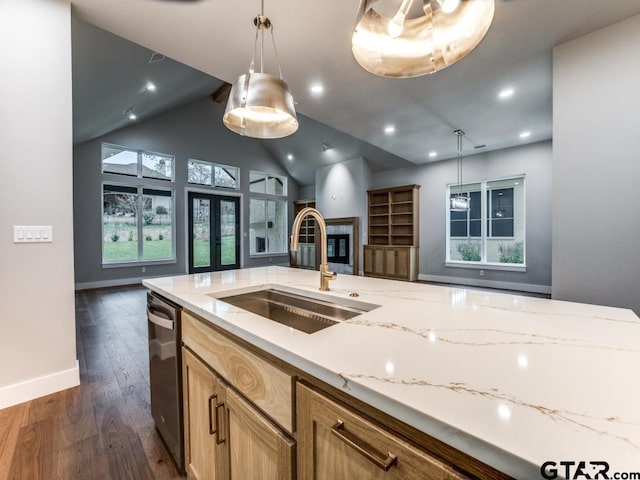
x=228, y=232
x=214, y=230
x=201, y=234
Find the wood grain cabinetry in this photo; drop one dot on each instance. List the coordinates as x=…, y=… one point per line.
x=239, y=409
x=337, y=443
x=308, y=253
x=265, y=385
x=257, y=448
x=393, y=233
x=204, y=459
x=227, y=437
x=399, y=263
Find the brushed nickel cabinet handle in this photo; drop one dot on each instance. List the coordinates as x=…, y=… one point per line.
x=218, y=441
x=212, y=428
x=363, y=448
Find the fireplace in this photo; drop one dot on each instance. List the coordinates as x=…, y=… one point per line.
x=338, y=248
x=343, y=250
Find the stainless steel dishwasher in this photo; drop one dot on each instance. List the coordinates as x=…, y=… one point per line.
x=165, y=373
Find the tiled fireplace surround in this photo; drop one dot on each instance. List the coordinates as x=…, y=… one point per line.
x=346, y=226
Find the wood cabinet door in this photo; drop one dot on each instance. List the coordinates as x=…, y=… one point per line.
x=374, y=260
x=337, y=443
x=402, y=263
x=202, y=392
x=257, y=449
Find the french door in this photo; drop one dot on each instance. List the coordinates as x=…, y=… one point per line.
x=214, y=232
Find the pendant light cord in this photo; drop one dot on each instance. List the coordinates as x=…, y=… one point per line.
x=260, y=34
x=459, y=134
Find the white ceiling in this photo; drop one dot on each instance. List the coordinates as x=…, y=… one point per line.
x=313, y=39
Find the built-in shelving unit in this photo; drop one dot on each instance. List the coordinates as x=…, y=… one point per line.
x=308, y=226
x=393, y=233
x=307, y=255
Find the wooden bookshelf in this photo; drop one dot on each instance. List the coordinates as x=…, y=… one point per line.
x=393, y=233
x=308, y=255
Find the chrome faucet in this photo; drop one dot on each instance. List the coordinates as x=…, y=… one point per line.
x=325, y=274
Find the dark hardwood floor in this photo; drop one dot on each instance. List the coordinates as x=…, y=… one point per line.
x=103, y=428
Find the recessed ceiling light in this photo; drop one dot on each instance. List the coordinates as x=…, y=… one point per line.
x=525, y=134
x=506, y=93
x=317, y=89
x=130, y=113
x=290, y=157
x=433, y=154
x=389, y=129
x=150, y=87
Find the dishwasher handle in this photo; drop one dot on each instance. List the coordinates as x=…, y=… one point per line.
x=156, y=319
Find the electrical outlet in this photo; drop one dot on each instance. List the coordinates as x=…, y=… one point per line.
x=482, y=273
x=144, y=269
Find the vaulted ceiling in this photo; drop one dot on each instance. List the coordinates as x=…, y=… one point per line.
x=215, y=38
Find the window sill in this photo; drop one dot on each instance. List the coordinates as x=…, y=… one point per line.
x=505, y=267
x=146, y=263
x=263, y=255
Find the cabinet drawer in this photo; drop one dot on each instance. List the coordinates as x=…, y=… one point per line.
x=335, y=442
x=265, y=385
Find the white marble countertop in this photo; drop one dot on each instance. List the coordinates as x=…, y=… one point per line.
x=513, y=381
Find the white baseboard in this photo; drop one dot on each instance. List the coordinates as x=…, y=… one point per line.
x=109, y=283
x=38, y=387
x=477, y=282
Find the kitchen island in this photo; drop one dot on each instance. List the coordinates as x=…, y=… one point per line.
x=512, y=381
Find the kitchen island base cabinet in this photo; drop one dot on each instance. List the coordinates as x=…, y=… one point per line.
x=226, y=437
x=337, y=443
x=202, y=392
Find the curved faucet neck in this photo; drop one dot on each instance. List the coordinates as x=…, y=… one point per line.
x=325, y=275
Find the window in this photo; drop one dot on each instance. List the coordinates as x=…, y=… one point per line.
x=267, y=226
x=498, y=205
x=268, y=184
x=157, y=166
x=137, y=224
x=213, y=174
x=467, y=223
x=136, y=163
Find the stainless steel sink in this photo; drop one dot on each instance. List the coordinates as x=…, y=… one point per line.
x=302, y=312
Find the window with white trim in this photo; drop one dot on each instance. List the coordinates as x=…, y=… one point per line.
x=214, y=175
x=260, y=182
x=137, y=224
x=492, y=230
x=137, y=163
x=267, y=214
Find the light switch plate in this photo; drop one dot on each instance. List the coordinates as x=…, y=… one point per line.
x=32, y=234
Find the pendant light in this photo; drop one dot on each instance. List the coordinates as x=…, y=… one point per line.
x=409, y=38
x=459, y=202
x=260, y=105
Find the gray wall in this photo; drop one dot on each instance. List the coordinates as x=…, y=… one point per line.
x=191, y=131
x=534, y=160
x=596, y=166
x=37, y=344
x=341, y=191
